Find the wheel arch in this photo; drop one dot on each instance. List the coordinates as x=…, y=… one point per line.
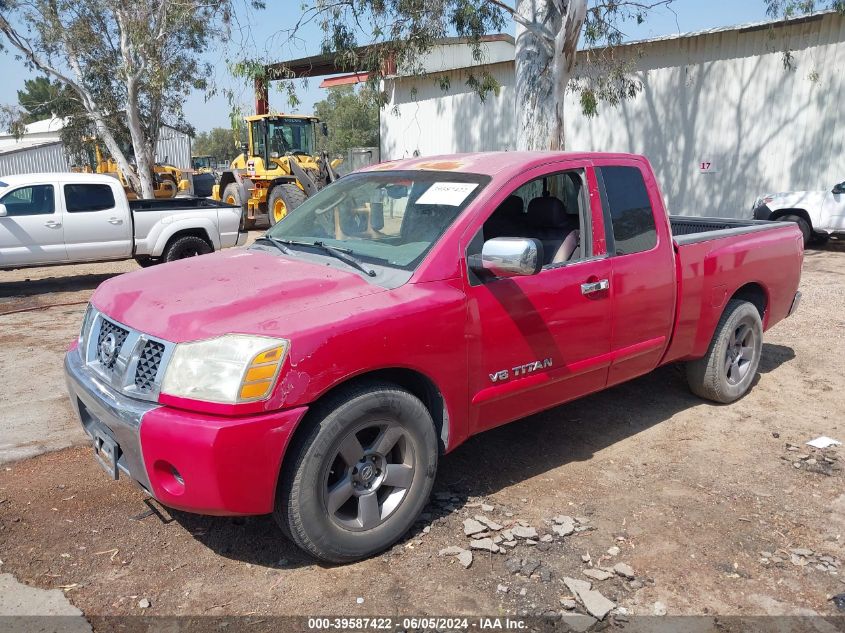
x=802, y=213
x=199, y=232
x=413, y=381
x=756, y=294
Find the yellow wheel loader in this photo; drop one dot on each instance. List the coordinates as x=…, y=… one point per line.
x=167, y=179
x=278, y=168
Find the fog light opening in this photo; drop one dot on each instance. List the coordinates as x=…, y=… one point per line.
x=169, y=477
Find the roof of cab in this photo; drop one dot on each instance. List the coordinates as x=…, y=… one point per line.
x=487, y=163
x=47, y=177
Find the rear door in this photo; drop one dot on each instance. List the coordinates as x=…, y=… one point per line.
x=97, y=223
x=32, y=231
x=540, y=340
x=642, y=283
x=833, y=210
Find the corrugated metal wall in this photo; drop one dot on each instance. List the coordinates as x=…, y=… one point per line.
x=423, y=118
x=41, y=158
x=723, y=98
x=173, y=148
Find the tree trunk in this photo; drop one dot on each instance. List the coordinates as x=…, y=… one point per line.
x=546, y=43
x=143, y=158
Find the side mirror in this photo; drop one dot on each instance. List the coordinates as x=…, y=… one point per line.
x=510, y=257
x=3, y=212
x=840, y=188
x=324, y=128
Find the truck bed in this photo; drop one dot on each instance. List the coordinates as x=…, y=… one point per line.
x=690, y=230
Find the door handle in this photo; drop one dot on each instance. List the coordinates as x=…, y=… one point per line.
x=52, y=224
x=115, y=221
x=595, y=286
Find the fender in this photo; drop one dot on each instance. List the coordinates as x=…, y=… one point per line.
x=162, y=232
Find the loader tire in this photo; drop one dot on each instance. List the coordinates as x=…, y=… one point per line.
x=282, y=200
x=725, y=373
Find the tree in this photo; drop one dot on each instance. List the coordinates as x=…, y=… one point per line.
x=351, y=117
x=221, y=143
x=401, y=32
x=43, y=99
x=127, y=60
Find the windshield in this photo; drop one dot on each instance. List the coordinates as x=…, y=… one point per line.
x=201, y=162
x=285, y=136
x=389, y=218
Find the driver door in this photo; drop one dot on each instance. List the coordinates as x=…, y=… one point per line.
x=541, y=340
x=833, y=212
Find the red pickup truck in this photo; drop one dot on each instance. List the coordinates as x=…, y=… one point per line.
x=320, y=374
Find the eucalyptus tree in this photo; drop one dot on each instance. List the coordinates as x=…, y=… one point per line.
x=129, y=63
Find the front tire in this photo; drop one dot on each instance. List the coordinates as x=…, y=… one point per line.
x=359, y=477
x=282, y=200
x=806, y=229
x=726, y=372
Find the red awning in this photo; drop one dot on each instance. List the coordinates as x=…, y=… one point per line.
x=344, y=80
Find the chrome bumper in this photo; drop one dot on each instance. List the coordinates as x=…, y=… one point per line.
x=796, y=301
x=105, y=412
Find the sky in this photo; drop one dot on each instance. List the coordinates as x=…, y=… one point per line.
x=263, y=32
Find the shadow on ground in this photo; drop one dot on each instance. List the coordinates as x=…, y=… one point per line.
x=34, y=287
x=499, y=458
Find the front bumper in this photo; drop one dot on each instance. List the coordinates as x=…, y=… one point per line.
x=762, y=212
x=188, y=461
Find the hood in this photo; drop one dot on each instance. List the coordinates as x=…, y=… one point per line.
x=234, y=291
x=795, y=198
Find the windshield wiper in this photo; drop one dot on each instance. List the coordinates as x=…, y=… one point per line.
x=275, y=242
x=343, y=254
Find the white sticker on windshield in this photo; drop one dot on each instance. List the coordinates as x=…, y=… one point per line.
x=451, y=194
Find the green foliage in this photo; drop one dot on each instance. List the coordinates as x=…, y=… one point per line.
x=42, y=99
x=352, y=118
x=221, y=143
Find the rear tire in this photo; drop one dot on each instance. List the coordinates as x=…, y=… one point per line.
x=806, y=230
x=146, y=262
x=355, y=481
x=186, y=246
x=726, y=371
x=282, y=200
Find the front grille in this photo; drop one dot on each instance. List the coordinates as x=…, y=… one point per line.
x=120, y=334
x=128, y=360
x=148, y=364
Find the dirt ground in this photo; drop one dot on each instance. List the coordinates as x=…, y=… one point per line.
x=704, y=502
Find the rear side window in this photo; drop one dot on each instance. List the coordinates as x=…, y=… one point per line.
x=34, y=200
x=79, y=198
x=629, y=207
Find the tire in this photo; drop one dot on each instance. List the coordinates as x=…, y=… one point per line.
x=368, y=514
x=282, y=200
x=726, y=372
x=806, y=230
x=146, y=262
x=232, y=195
x=184, y=247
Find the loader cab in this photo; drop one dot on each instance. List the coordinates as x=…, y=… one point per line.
x=273, y=136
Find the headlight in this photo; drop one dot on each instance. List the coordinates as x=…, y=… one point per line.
x=231, y=369
x=85, y=331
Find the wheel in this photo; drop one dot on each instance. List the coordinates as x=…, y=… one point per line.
x=232, y=195
x=146, y=262
x=186, y=246
x=356, y=481
x=806, y=231
x=726, y=372
x=282, y=200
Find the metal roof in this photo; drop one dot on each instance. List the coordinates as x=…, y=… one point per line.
x=26, y=145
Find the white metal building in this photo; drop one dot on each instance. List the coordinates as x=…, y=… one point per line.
x=39, y=148
x=720, y=116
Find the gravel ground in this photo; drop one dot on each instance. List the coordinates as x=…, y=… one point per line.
x=713, y=509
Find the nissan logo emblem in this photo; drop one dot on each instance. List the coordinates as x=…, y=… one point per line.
x=108, y=348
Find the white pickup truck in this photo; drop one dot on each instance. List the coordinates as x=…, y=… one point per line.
x=818, y=214
x=64, y=218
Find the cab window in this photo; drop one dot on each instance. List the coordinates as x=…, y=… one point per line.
x=34, y=200
x=551, y=209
